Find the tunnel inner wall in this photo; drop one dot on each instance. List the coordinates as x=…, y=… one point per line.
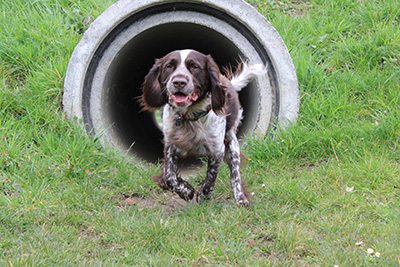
x=137, y=129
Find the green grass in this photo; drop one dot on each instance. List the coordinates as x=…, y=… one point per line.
x=62, y=198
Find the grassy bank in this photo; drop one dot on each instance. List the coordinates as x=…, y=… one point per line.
x=325, y=191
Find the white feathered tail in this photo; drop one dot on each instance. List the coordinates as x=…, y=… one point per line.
x=248, y=73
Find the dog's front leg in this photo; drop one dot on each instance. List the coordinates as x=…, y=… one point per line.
x=207, y=186
x=175, y=183
x=232, y=158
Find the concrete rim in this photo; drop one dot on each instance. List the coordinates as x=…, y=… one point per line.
x=256, y=39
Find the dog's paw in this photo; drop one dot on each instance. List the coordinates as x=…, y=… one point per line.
x=202, y=195
x=204, y=192
x=242, y=201
x=184, y=189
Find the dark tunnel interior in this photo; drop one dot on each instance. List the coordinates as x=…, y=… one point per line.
x=138, y=130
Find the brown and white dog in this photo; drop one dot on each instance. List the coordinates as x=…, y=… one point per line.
x=201, y=114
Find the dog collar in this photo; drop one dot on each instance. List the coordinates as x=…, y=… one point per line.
x=194, y=117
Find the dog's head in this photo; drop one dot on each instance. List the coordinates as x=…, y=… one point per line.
x=182, y=78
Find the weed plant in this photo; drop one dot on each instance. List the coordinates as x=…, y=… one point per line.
x=325, y=190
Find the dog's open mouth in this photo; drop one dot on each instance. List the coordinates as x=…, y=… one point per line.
x=182, y=99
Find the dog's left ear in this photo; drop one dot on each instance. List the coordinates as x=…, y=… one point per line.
x=218, y=92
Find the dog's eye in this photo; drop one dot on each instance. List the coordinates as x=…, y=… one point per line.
x=169, y=66
x=194, y=66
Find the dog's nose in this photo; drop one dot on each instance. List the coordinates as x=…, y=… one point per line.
x=179, y=82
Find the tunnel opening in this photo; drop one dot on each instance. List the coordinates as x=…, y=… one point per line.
x=106, y=69
x=138, y=131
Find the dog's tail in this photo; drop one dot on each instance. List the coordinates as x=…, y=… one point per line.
x=245, y=74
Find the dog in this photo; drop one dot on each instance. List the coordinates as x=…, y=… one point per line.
x=201, y=114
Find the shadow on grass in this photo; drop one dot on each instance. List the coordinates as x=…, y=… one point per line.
x=166, y=200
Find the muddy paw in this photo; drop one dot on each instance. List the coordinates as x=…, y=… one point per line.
x=184, y=189
x=203, y=195
x=242, y=201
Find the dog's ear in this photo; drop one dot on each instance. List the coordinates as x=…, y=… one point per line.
x=218, y=92
x=153, y=94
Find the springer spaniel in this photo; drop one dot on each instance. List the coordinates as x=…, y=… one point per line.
x=201, y=114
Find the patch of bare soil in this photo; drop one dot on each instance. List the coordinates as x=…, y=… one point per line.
x=294, y=8
x=299, y=8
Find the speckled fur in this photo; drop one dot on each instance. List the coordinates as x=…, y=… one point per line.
x=212, y=136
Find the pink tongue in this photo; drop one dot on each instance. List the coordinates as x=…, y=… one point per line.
x=180, y=98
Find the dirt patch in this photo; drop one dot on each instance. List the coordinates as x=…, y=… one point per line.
x=299, y=8
x=293, y=8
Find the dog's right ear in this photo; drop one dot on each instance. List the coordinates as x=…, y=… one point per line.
x=154, y=95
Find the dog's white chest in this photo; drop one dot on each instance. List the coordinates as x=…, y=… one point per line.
x=203, y=137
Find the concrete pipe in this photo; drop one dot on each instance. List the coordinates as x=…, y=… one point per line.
x=106, y=70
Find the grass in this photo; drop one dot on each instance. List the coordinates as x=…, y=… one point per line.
x=63, y=200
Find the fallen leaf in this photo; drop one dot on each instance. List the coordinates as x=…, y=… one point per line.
x=129, y=201
x=251, y=242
